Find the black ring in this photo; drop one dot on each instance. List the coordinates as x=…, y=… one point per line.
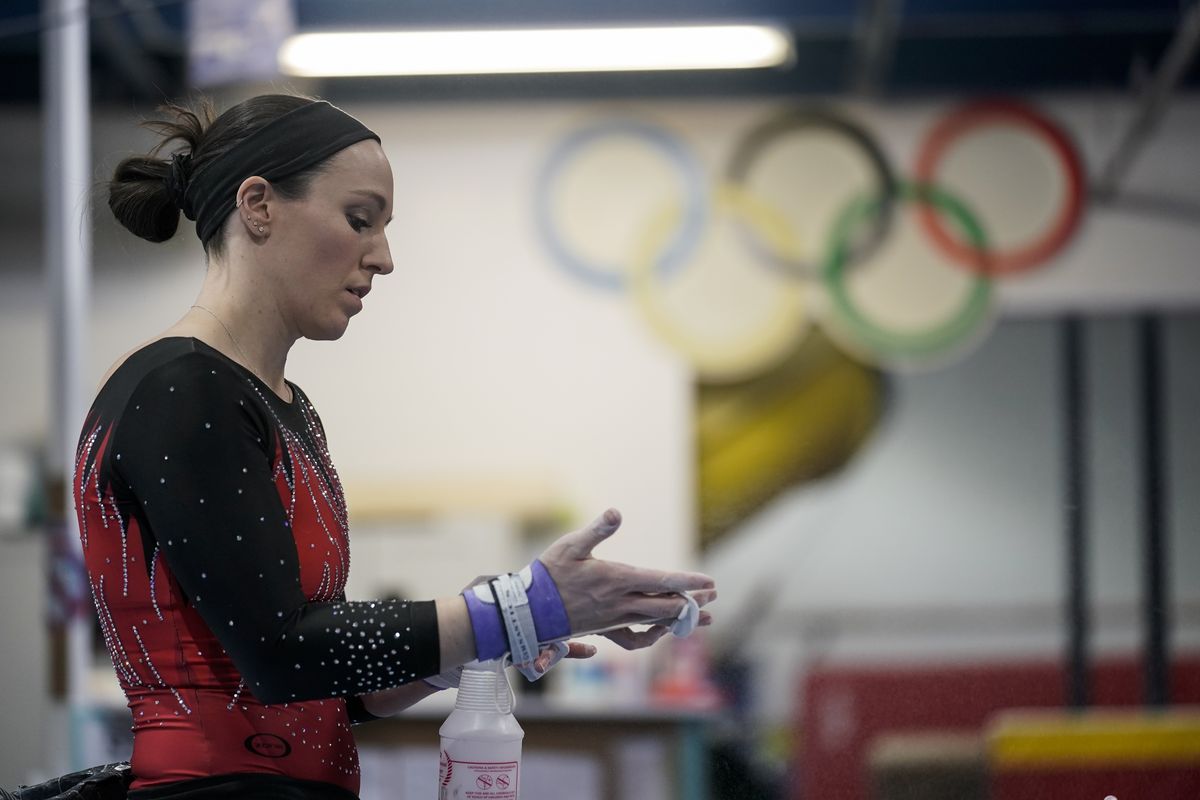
x=762, y=135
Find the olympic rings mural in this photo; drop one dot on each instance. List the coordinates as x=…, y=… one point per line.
x=810, y=223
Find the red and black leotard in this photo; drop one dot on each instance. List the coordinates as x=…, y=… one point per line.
x=214, y=532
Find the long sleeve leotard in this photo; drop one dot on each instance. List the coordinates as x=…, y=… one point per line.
x=214, y=532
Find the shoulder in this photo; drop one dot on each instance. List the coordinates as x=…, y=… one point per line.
x=121, y=361
x=176, y=376
x=172, y=356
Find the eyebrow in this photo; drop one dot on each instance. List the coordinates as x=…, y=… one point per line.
x=376, y=196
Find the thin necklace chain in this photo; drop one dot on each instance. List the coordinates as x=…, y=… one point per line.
x=232, y=338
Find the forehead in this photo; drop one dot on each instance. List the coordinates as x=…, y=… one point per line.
x=360, y=167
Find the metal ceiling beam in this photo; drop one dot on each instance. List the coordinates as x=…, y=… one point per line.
x=1153, y=104
x=128, y=55
x=146, y=18
x=878, y=27
x=999, y=24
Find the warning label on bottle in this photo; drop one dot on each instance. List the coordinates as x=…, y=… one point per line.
x=477, y=780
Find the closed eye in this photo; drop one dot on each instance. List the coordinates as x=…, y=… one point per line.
x=357, y=223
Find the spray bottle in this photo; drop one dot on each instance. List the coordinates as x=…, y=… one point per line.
x=481, y=740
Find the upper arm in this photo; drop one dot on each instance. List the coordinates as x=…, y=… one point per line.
x=194, y=455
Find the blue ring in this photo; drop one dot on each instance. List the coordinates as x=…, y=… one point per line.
x=608, y=276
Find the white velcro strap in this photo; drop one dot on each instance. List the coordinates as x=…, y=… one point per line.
x=518, y=618
x=526, y=576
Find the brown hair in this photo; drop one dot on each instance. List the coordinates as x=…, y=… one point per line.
x=138, y=193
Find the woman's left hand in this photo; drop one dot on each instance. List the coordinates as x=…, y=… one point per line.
x=548, y=657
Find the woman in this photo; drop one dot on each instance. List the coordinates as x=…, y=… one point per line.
x=212, y=519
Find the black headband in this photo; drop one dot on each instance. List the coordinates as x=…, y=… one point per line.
x=287, y=145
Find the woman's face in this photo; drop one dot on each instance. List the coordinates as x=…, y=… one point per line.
x=326, y=247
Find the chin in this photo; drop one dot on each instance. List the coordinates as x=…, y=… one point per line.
x=328, y=332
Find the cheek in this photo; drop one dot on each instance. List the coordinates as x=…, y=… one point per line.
x=327, y=249
x=329, y=260
x=334, y=242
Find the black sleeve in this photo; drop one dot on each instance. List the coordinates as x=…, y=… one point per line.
x=194, y=452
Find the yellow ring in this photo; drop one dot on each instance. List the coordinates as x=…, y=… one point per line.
x=780, y=328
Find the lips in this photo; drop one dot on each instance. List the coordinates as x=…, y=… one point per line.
x=359, y=291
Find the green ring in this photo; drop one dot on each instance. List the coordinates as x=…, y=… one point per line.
x=881, y=340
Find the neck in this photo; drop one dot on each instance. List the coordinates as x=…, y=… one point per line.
x=246, y=325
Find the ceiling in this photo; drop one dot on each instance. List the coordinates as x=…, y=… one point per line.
x=868, y=47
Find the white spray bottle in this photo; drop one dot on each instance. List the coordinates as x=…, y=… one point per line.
x=481, y=740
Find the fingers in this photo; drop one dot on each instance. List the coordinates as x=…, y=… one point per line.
x=652, y=581
x=656, y=607
x=630, y=639
x=664, y=606
x=600, y=594
x=551, y=655
x=636, y=640
x=580, y=650
x=581, y=543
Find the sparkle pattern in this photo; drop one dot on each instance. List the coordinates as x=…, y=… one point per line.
x=309, y=455
x=83, y=455
x=160, y=683
x=225, y=523
x=112, y=641
x=153, y=590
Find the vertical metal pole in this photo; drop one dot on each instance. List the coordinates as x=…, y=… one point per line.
x=1157, y=679
x=1075, y=496
x=68, y=231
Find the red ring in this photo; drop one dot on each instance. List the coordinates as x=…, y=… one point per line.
x=979, y=114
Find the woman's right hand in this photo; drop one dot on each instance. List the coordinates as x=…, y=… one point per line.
x=600, y=595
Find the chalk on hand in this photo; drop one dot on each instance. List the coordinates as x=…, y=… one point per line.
x=688, y=617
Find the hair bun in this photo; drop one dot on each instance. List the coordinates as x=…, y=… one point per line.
x=177, y=179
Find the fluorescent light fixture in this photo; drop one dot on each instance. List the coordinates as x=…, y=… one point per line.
x=344, y=54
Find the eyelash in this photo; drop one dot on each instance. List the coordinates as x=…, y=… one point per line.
x=357, y=223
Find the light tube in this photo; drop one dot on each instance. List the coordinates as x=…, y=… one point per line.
x=346, y=54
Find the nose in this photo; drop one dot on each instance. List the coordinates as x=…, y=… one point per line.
x=379, y=258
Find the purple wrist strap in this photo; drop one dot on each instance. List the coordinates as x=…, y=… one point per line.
x=545, y=606
x=491, y=641
x=545, y=603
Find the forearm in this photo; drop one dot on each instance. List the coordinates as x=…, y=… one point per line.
x=456, y=639
x=395, y=625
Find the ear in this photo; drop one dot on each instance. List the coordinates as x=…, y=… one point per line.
x=254, y=200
